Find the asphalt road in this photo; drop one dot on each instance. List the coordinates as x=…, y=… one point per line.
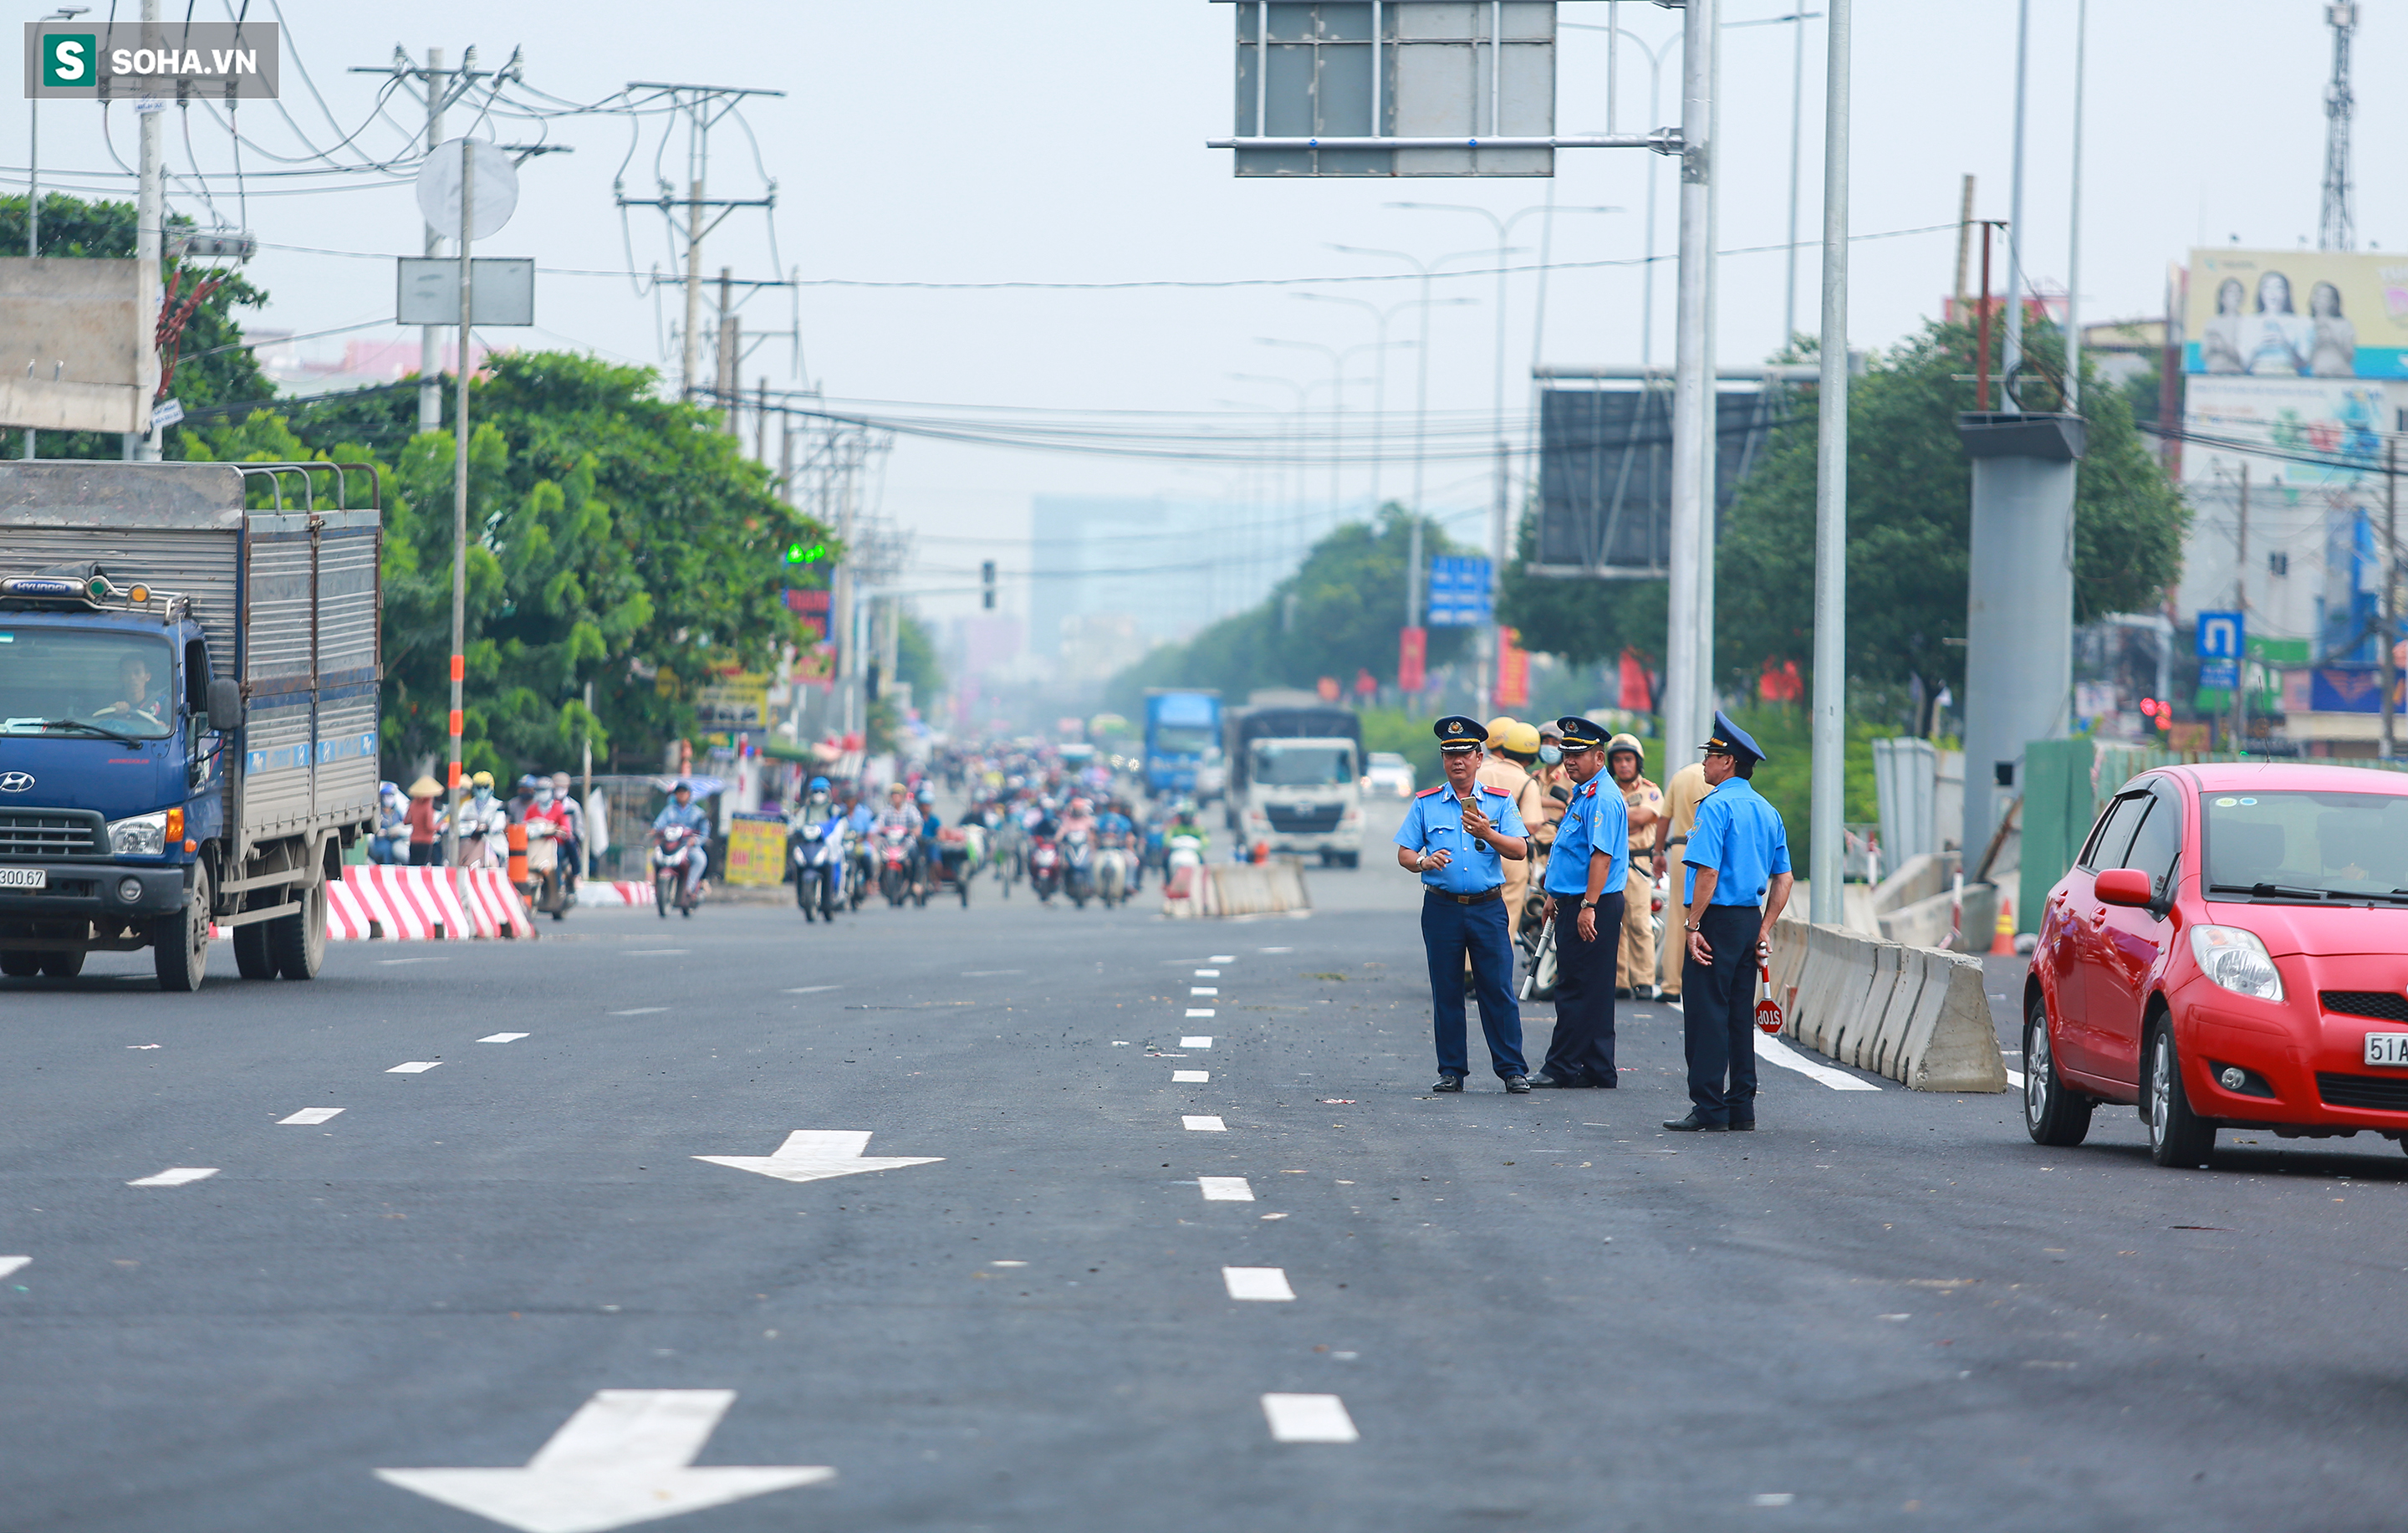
x=1882, y=1310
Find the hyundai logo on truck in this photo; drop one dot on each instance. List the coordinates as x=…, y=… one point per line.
x=15, y=781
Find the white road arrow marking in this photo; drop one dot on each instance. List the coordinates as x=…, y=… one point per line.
x=174, y=1176
x=10, y=1263
x=626, y=1457
x=813, y=1154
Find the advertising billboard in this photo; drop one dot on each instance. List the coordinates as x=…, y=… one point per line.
x=2297, y=314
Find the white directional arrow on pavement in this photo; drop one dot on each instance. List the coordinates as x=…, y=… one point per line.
x=626, y=1457
x=813, y=1154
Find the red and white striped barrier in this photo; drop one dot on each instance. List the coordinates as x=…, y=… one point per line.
x=420, y=904
x=615, y=892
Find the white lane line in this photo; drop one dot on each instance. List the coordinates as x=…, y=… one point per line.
x=1197, y=1041
x=1309, y=1418
x=1222, y=958
x=174, y=1176
x=395, y=962
x=1204, y=1124
x=1225, y=1189
x=652, y=953
x=639, y=1012
x=1191, y=1012
x=504, y=1037
x=2015, y=1078
x=312, y=1115
x=1274, y=949
x=1773, y=1052
x=415, y=1067
x=1204, y=990
x=10, y=1263
x=987, y=973
x=1266, y=1283
x=1190, y=1078
x=1207, y=973
x=802, y=989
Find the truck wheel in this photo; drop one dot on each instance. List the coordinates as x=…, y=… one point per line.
x=61, y=964
x=179, y=943
x=20, y=966
x=252, y=959
x=298, y=943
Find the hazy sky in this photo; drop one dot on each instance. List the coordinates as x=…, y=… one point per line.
x=959, y=142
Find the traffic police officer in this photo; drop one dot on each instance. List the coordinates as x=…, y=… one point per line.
x=1738, y=854
x=1585, y=874
x=1456, y=836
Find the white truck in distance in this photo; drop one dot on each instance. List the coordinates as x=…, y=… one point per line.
x=1295, y=776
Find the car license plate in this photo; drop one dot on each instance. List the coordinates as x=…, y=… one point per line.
x=2387, y=1049
x=23, y=878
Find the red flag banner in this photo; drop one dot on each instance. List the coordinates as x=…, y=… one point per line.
x=1512, y=669
x=1634, y=698
x=1413, y=659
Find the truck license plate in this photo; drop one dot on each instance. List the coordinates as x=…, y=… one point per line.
x=23, y=878
x=2387, y=1049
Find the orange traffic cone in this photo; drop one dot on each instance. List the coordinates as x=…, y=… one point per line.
x=2002, y=942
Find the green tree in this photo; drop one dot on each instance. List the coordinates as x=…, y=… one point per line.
x=1909, y=489
x=1585, y=621
x=1339, y=613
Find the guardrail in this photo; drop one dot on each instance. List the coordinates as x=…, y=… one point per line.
x=1919, y=1016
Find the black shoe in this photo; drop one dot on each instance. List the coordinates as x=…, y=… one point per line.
x=1519, y=1085
x=1543, y=1081
x=1743, y=1126
x=1695, y=1124
x=1449, y=1082
x=1622, y=993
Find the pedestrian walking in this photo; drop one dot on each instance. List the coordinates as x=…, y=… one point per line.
x=1585, y=875
x=1738, y=854
x=1510, y=747
x=1635, y=968
x=1458, y=836
x=1684, y=791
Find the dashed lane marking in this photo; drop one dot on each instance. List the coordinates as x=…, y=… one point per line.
x=174, y=1176
x=414, y=1067
x=309, y=1115
x=654, y=952
x=1267, y=1284
x=1309, y=1418
x=813, y=989
x=504, y=1037
x=639, y=1012
x=1207, y=973
x=1225, y=1189
x=1204, y=990
x=1191, y=1012
x=987, y=973
x=1197, y=1041
x=1204, y=1124
x=1190, y=1078
x=10, y=1263
x=1274, y=949
x=1773, y=1052
x=1222, y=958
x=389, y=962
x=2015, y=1078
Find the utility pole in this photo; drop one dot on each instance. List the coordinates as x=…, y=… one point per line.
x=2336, y=229
x=2240, y=605
x=430, y=350
x=1827, y=801
x=2014, y=353
x=151, y=213
x=1688, y=669
x=730, y=349
x=2073, y=233
x=1964, y=246
x=460, y=491
x=2390, y=591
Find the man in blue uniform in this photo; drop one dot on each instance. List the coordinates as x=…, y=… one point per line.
x=1586, y=872
x=1738, y=854
x=1455, y=837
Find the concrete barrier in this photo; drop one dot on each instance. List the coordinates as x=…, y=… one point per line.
x=1227, y=889
x=1915, y=1015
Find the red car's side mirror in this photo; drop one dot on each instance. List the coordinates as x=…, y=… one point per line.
x=2125, y=886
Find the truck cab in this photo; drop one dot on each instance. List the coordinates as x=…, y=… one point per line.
x=1305, y=796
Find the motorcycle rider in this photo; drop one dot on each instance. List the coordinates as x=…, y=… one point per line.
x=572, y=835
x=553, y=811
x=1079, y=817
x=931, y=854
x=900, y=813
x=485, y=824
x=391, y=843
x=819, y=806
x=683, y=812
x=1115, y=828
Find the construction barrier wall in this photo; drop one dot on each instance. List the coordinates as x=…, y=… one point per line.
x=1918, y=1015
x=374, y=901
x=1226, y=889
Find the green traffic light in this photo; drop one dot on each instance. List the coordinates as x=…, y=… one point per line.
x=806, y=554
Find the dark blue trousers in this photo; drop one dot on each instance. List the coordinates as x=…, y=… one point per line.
x=1718, y=1015
x=1449, y=931
x=1582, y=1051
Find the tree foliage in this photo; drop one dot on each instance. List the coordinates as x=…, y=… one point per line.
x=1910, y=489
x=1348, y=605
x=1585, y=621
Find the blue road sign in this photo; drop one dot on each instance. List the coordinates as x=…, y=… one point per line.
x=2221, y=675
x=1458, y=592
x=2220, y=637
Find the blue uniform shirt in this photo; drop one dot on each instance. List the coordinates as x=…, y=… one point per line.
x=1741, y=839
x=1434, y=822
x=1593, y=822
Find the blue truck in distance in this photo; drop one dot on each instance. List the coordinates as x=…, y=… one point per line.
x=1182, y=743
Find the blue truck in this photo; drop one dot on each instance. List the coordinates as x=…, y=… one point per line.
x=189, y=666
x=1183, y=744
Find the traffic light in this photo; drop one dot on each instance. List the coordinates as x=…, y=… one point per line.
x=986, y=585
x=806, y=554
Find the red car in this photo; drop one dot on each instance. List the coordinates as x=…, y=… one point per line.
x=2230, y=950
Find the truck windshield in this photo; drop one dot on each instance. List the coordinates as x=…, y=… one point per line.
x=1182, y=740
x=1303, y=765
x=54, y=679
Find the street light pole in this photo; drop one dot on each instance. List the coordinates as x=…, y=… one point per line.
x=1827, y=806
x=460, y=491
x=1688, y=668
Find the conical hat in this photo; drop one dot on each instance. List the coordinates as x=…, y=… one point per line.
x=425, y=787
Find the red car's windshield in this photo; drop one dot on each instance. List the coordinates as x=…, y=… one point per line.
x=2349, y=844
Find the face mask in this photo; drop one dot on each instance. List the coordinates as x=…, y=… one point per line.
x=1551, y=756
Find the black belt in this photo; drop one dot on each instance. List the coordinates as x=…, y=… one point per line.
x=1481, y=898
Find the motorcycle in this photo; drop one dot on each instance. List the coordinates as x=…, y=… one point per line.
x=860, y=872
x=1182, y=853
x=1112, y=876
x=957, y=852
x=1538, y=944
x=547, y=884
x=675, y=849
x=1079, y=868
x=818, y=853
x=894, y=851
x=1044, y=869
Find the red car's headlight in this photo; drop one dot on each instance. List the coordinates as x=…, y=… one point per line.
x=2234, y=958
